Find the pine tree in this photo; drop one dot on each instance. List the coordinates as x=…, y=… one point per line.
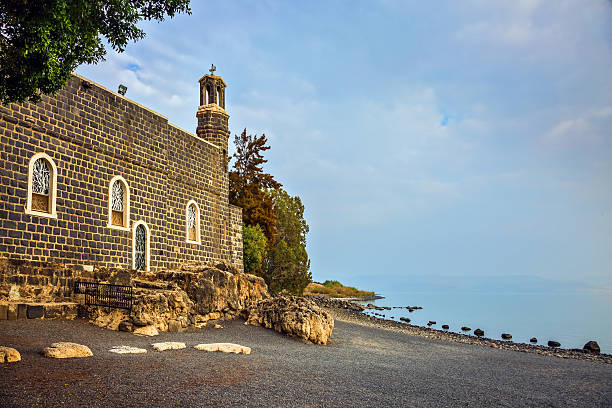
x=249, y=185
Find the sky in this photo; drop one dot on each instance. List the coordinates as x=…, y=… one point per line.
x=437, y=141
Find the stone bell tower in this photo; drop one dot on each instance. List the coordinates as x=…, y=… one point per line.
x=212, y=118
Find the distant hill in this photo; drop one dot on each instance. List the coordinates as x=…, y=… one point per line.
x=335, y=289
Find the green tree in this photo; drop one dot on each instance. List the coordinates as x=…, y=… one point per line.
x=286, y=268
x=249, y=186
x=42, y=42
x=254, y=248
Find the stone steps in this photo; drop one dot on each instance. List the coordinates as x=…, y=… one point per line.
x=13, y=310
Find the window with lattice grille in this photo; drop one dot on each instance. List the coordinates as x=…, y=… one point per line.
x=193, y=223
x=140, y=250
x=41, y=175
x=118, y=204
x=42, y=186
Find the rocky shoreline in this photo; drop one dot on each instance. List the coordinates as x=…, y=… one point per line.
x=348, y=310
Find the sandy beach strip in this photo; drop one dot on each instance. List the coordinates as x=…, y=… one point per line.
x=362, y=366
x=345, y=312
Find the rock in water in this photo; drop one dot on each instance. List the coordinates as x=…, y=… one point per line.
x=552, y=343
x=533, y=340
x=405, y=319
x=445, y=326
x=294, y=316
x=592, y=347
x=479, y=332
x=67, y=350
x=465, y=328
x=506, y=336
x=224, y=347
x=9, y=355
x=168, y=345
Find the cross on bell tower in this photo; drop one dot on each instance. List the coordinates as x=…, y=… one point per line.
x=212, y=118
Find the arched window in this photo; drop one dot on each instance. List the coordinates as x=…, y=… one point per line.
x=42, y=186
x=119, y=204
x=141, y=247
x=192, y=224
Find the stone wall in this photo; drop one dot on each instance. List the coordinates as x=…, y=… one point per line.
x=48, y=282
x=236, y=236
x=92, y=135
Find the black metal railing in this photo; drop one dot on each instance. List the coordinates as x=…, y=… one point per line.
x=106, y=295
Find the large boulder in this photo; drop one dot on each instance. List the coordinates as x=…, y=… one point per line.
x=224, y=347
x=294, y=316
x=168, y=345
x=9, y=355
x=592, y=347
x=67, y=350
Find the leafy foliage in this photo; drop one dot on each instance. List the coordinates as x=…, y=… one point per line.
x=254, y=248
x=331, y=283
x=249, y=186
x=42, y=42
x=287, y=265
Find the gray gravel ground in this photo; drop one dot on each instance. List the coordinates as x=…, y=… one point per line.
x=362, y=367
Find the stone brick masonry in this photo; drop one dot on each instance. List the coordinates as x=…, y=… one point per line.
x=92, y=135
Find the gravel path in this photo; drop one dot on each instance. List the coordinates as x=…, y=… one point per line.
x=363, y=366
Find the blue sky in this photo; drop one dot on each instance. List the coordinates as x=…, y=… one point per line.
x=442, y=139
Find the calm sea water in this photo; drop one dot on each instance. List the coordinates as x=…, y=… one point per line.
x=571, y=318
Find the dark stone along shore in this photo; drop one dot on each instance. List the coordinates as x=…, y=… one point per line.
x=351, y=311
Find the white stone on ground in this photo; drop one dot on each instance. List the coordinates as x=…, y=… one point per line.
x=168, y=345
x=127, y=350
x=146, y=331
x=67, y=350
x=9, y=355
x=224, y=347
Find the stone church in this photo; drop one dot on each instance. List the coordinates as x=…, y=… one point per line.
x=91, y=178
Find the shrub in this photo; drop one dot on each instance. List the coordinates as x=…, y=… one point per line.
x=254, y=248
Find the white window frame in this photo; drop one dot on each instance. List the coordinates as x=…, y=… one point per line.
x=126, y=210
x=198, y=240
x=52, y=189
x=147, y=245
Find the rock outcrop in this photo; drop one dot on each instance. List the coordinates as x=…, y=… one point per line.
x=9, y=355
x=294, y=316
x=173, y=300
x=67, y=350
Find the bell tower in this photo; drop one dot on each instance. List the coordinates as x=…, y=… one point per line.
x=212, y=118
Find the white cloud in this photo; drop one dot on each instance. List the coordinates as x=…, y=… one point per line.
x=535, y=30
x=591, y=129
